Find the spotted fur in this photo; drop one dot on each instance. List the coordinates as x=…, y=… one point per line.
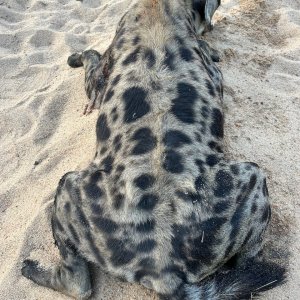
x=159, y=204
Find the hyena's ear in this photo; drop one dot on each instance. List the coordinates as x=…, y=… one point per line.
x=206, y=10
x=210, y=8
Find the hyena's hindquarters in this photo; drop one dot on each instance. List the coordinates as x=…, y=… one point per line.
x=249, y=273
x=94, y=78
x=71, y=276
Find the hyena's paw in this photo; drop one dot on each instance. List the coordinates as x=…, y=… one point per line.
x=71, y=279
x=75, y=60
x=213, y=53
x=31, y=269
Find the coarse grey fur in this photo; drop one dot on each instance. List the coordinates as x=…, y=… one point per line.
x=159, y=204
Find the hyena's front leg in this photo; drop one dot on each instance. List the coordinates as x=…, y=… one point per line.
x=94, y=77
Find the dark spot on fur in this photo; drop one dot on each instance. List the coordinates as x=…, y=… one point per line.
x=221, y=207
x=120, y=43
x=56, y=224
x=198, y=137
x=145, y=141
x=67, y=207
x=147, y=226
x=254, y=208
x=215, y=146
x=193, y=75
x=132, y=57
x=212, y=160
x=135, y=104
x=118, y=201
x=109, y=95
x=173, y=269
x=178, y=241
x=266, y=215
x=149, y=56
x=200, y=164
x=82, y=218
x=173, y=162
x=217, y=126
x=167, y=8
x=253, y=164
x=169, y=60
x=119, y=254
x=239, y=213
x=147, y=202
x=210, y=87
x=102, y=129
x=224, y=184
x=107, y=163
x=103, y=150
x=97, y=176
x=183, y=105
x=117, y=142
x=234, y=169
x=92, y=190
x=203, y=127
x=186, y=54
x=175, y=139
x=202, y=246
x=147, y=263
x=229, y=249
x=96, y=209
x=155, y=85
x=146, y=246
x=200, y=183
x=136, y=40
x=93, y=248
x=120, y=169
x=248, y=237
x=74, y=234
x=205, y=112
x=116, y=80
x=144, y=181
x=252, y=182
x=106, y=225
x=179, y=40
x=115, y=117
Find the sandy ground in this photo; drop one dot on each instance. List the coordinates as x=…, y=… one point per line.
x=43, y=134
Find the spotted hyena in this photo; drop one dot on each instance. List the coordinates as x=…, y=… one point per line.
x=159, y=204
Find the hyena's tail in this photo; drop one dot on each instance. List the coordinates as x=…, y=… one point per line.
x=240, y=283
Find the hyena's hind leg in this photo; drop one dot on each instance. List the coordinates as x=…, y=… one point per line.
x=71, y=276
x=94, y=77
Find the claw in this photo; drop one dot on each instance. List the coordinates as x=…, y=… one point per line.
x=89, y=108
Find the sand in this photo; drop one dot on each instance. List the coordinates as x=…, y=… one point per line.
x=44, y=135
